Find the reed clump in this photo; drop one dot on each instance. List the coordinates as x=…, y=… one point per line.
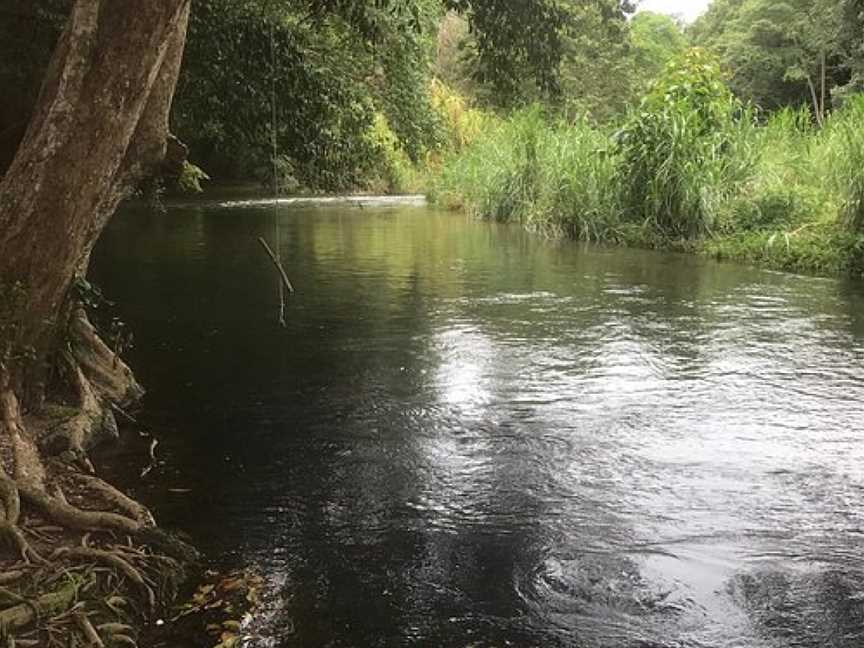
x=554, y=177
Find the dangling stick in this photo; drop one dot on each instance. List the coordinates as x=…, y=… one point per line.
x=285, y=281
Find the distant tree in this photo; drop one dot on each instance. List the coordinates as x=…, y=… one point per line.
x=450, y=65
x=851, y=41
x=709, y=28
x=597, y=70
x=782, y=53
x=589, y=43
x=656, y=39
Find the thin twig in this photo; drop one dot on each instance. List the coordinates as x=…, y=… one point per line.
x=153, y=460
x=126, y=415
x=285, y=281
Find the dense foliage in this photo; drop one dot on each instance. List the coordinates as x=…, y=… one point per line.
x=351, y=81
x=786, y=53
x=241, y=57
x=350, y=77
x=597, y=69
x=689, y=168
x=656, y=39
x=607, y=60
x=681, y=149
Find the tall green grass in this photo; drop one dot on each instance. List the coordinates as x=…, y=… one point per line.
x=552, y=177
x=844, y=139
x=784, y=188
x=690, y=168
x=801, y=211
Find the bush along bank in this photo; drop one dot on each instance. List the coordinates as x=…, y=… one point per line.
x=690, y=168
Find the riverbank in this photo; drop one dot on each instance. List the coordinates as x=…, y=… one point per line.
x=694, y=171
x=112, y=578
x=88, y=564
x=83, y=563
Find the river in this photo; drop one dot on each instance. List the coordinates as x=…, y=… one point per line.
x=469, y=436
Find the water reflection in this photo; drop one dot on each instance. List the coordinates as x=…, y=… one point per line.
x=466, y=361
x=466, y=436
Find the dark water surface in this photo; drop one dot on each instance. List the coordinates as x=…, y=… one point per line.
x=467, y=436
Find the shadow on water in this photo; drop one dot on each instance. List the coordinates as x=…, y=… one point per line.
x=468, y=436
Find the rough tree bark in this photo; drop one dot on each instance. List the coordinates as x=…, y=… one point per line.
x=99, y=127
x=100, y=124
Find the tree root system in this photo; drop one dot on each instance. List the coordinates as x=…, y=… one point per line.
x=81, y=563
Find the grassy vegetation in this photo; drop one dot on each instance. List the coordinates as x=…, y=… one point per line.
x=690, y=168
x=554, y=178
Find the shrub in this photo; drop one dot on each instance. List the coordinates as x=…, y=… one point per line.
x=685, y=150
x=393, y=169
x=190, y=178
x=462, y=123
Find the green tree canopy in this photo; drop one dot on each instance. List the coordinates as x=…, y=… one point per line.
x=334, y=65
x=657, y=39
x=784, y=53
x=327, y=83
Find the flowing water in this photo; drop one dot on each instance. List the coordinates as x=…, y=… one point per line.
x=468, y=436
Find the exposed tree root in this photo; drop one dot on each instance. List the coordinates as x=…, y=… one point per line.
x=47, y=482
x=74, y=518
x=12, y=575
x=102, y=366
x=113, y=497
x=88, y=630
x=9, y=497
x=77, y=431
x=13, y=534
x=9, y=492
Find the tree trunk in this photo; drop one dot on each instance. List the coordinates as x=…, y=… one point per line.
x=99, y=127
x=100, y=124
x=823, y=88
x=817, y=113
